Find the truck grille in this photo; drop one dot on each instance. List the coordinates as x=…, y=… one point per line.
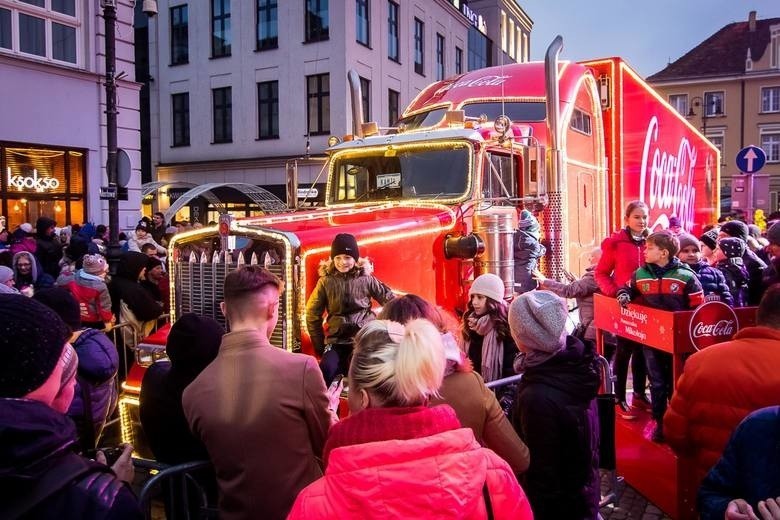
x=199, y=289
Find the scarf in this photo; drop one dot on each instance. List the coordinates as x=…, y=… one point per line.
x=492, y=349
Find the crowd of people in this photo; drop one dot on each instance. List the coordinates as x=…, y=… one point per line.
x=424, y=435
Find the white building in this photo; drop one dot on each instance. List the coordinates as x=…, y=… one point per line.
x=241, y=87
x=52, y=101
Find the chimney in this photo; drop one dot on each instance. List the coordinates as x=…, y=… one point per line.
x=752, y=21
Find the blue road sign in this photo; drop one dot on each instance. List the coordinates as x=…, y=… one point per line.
x=751, y=159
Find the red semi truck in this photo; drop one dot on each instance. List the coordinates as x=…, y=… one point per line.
x=433, y=202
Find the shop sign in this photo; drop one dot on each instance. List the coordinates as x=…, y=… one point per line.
x=713, y=322
x=31, y=182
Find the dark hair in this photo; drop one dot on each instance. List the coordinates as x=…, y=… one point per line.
x=497, y=310
x=634, y=204
x=100, y=229
x=768, y=314
x=148, y=247
x=250, y=279
x=410, y=307
x=160, y=214
x=122, y=235
x=665, y=239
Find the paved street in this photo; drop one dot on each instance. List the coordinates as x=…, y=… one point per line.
x=630, y=505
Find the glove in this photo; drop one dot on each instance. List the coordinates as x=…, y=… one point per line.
x=624, y=299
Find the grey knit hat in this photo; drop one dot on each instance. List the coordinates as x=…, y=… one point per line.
x=773, y=233
x=686, y=239
x=537, y=320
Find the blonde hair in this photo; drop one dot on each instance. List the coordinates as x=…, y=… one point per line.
x=401, y=365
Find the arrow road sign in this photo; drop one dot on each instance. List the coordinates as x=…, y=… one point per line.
x=751, y=159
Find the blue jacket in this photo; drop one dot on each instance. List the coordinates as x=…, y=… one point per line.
x=95, y=381
x=712, y=282
x=737, y=280
x=749, y=468
x=527, y=252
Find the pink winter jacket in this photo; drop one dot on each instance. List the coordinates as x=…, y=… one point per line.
x=440, y=476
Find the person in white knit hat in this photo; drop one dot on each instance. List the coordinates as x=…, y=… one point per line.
x=556, y=414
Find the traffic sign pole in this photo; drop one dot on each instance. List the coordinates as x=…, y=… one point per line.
x=749, y=161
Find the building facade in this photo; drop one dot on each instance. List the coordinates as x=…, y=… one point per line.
x=243, y=90
x=729, y=87
x=52, y=140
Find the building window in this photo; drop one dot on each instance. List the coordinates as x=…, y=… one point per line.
x=479, y=50
x=223, y=114
x=770, y=143
x=680, y=103
x=220, y=28
x=419, y=49
x=267, y=25
x=362, y=24
x=503, y=31
x=526, y=47
x=580, y=121
x=439, y=57
x=392, y=32
x=49, y=30
x=268, y=110
x=180, y=111
x=511, y=43
x=392, y=106
x=718, y=139
x=770, y=99
x=318, y=105
x=713, y=104
x=365, y=95
x=774, y=45
x=458, y=60
x=317, y=20
x=179, y=35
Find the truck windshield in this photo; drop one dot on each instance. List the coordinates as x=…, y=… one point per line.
x=519, y=112
x=412, y=172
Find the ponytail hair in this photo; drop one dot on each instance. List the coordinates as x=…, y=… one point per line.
x=401, y=365
x=634, y=204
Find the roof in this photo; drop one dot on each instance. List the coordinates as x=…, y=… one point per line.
x=721, y=54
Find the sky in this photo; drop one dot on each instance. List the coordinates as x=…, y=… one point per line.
x=648, y=34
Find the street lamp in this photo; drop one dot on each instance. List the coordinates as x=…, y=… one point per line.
x=698, y=102
x=109, y=17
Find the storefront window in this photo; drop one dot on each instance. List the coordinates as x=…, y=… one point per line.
x=40, y=181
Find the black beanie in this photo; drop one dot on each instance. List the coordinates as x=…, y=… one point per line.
x=345, y=244
x=193, y=343
x=32, y=337
x=736, y=229
x=710, y=238
x=63, y=303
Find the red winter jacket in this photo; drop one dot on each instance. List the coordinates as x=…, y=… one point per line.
x=621, y=255
x=438, y=476
x=719, y=387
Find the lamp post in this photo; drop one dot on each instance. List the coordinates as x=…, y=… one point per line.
x=698, y=102
x=109, y=17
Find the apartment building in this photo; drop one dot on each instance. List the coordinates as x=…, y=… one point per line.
x=244, y=89
x=729, y=87
x=52, y=140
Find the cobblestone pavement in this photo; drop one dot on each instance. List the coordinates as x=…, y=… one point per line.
x=630, y=504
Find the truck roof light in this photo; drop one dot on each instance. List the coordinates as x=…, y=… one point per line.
x=349, y=137
x=333, y=140
x=455, y=117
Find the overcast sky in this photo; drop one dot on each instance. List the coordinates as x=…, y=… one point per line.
x=647, y=33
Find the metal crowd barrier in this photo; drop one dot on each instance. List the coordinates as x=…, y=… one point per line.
x=184, y=494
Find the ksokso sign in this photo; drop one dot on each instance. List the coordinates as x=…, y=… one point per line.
x=32, y=182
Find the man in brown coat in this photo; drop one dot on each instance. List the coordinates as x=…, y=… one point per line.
x=263, y=413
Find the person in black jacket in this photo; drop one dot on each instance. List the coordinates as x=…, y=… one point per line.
x=556, y=413
x=753, y=264
x=49, y=248
x=712, y=281
x=41, y=476
x=527, y=251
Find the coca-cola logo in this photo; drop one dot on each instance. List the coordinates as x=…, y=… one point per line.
x=713, y=322
x=32, y=182
x=482, y=81
x=666, y=178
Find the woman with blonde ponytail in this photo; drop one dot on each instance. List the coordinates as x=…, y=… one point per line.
x=396, y=457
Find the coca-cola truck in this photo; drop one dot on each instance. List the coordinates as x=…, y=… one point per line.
x=433, y=202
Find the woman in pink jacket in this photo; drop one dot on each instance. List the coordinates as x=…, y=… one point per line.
x=394, y=457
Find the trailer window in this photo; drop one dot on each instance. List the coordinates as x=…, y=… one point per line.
x=411, y=173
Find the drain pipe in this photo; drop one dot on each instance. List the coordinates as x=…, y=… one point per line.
x=357, y=102
x=555, y=216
